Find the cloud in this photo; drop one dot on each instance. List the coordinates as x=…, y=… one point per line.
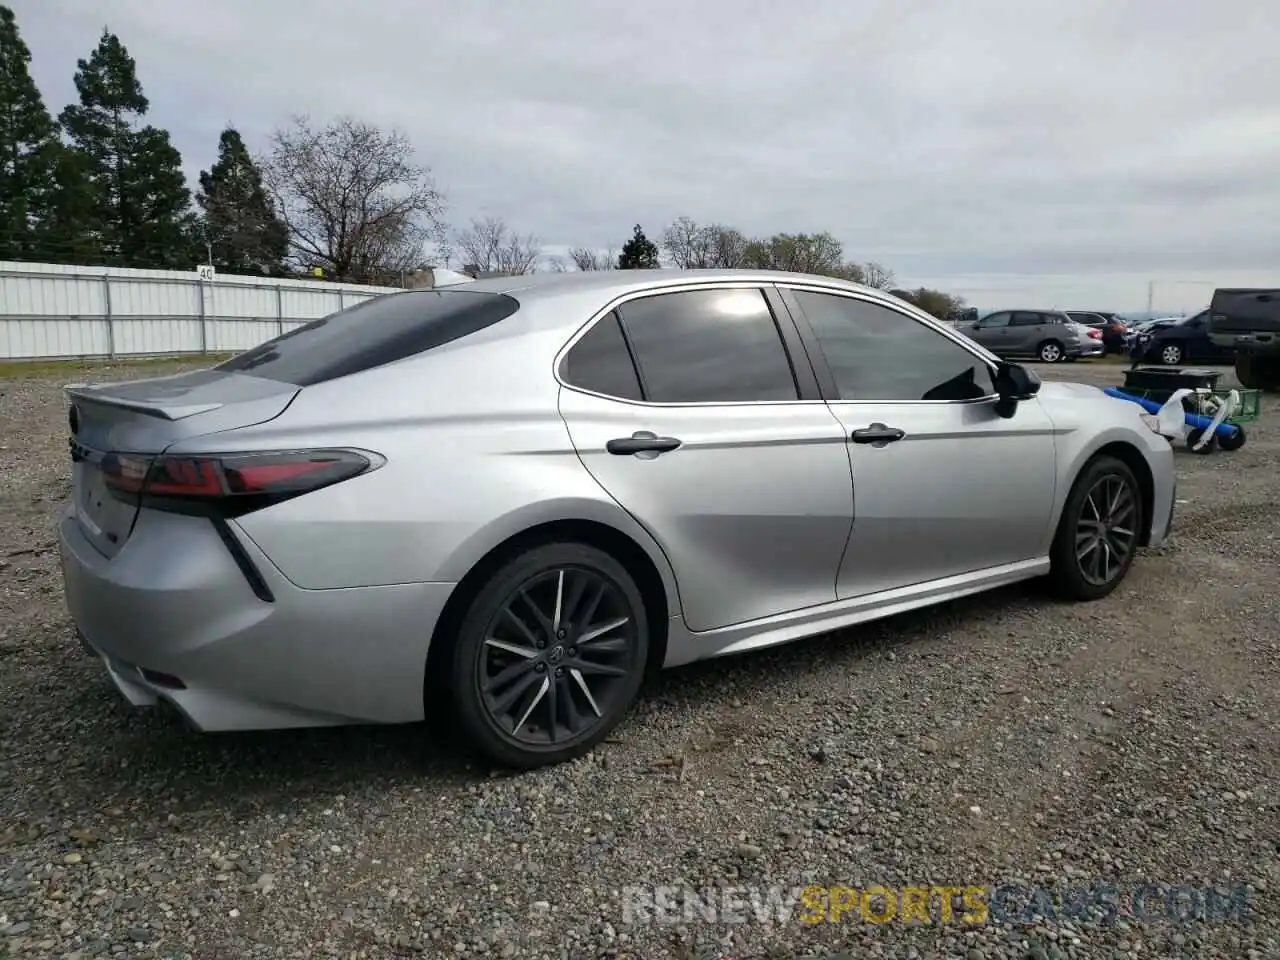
x=1069, y=150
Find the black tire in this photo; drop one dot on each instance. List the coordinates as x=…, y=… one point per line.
x=1194, y=437
x=1050, y=351
x=1067, y=574
x=1233, y=442
x=486, y=631
x=1248, y=372
x=1170, y=354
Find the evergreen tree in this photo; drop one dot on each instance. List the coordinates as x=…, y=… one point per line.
x=240, y=225
x=638, y=253
x=28, y=139
x=140, y=201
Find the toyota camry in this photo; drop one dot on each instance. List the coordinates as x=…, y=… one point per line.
x=519, y=496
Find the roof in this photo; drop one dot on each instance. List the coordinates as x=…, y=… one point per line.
x=624, y=281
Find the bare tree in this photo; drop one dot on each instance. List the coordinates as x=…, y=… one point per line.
x=727, y=247
x=686, y=244
x=355, y=201
x=878, y=276
x=693, y=246
x=584, y=258
x=494, y=248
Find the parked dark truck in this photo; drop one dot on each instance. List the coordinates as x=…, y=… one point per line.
x=1248, y=321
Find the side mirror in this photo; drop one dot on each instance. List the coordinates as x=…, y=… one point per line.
x=1014, y=383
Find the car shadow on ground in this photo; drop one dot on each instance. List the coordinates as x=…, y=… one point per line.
x=158, y=766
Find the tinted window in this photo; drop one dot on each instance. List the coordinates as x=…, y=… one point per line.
x=708, y=346
x=377, y=331
x=995, y=320
x=879, y=354
x=601, y=363
x=1024, y=319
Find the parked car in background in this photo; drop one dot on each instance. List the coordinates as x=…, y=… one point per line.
x=1247, y=321
x=1111, y=325
x=1179, y=341
x=1048, y=335
x=517, y=497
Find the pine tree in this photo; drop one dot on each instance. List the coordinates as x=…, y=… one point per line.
x=28, y=139
x=240, y=224
x=140, y=201
x=638, y=253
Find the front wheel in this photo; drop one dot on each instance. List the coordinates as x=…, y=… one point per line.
x=1050, y=352
x=1098, y=532
x=550, y=655
x=1171, y=354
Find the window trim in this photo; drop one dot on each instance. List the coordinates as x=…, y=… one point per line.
x=826, y=378
x=790, y=339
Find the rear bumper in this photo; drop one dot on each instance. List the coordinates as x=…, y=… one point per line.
x=174, y=601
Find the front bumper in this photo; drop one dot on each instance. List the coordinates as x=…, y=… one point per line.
x=173, y=604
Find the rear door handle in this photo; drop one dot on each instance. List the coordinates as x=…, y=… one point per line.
x=877, y=435
x=641, y=442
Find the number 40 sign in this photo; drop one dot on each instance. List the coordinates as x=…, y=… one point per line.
x=205, y=272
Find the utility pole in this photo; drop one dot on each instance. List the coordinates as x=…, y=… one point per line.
x=1151, y=292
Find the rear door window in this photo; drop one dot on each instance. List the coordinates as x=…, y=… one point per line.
x=378, y=331
x=708, y=346
x=601, y=363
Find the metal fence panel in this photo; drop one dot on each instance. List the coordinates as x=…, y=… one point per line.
x=54, y=311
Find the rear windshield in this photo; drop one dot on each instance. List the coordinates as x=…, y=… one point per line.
x=378, y=331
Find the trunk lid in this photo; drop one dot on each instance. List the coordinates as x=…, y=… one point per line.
x=145, y=417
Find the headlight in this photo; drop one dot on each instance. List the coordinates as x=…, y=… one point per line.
x=1152, y=422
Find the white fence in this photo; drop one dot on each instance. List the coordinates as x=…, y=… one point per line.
x=52, y=311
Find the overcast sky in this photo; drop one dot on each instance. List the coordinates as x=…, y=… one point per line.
x=1034, y=152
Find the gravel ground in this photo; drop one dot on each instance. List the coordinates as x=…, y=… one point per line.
x=1000, y=740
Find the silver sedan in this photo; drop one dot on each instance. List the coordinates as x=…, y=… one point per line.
x=517, y=496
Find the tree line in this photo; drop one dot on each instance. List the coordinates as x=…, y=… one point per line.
x=98, y=184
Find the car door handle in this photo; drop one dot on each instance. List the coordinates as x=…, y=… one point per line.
x=877, y=434
x=641, y=442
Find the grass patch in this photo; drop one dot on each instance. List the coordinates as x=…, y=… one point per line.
x=158, y=366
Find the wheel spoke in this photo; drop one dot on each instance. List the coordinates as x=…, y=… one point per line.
x=543, y=621
x=514, y=693
x=586, y=691
x=601, y=669
x=1088, y=548
x=593, y=604
x=1088, y=501
x=597, y=647
x=553, y=712
x=570, y=613
x=555, y=620
x=572, y=719
x=527, y=652
x=520, y=624
x=588, y=635
x=537, y=698
x=507, y=675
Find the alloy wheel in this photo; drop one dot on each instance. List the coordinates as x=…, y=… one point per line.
x=556, y=656
x=1171, y=355
x=1106, y=530
x=1050, y=353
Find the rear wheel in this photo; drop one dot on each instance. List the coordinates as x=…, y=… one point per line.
x=1050, y=351
x=1232, y=441
x=550, y=655
x=1098, y=532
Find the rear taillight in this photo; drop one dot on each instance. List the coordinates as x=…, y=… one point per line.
x=1094, y=334
x=231, y=484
